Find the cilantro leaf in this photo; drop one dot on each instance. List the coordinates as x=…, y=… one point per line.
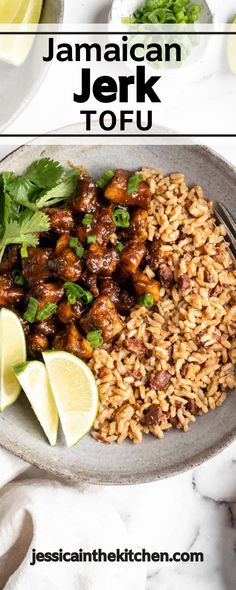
x=60, y=192
x=45, y=183
x=45, y=173
x=21, y=190
x=23, y=230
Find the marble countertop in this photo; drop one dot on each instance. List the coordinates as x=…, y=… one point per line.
x=195, y=511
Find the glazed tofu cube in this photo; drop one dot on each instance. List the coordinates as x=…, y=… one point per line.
x=102, y=316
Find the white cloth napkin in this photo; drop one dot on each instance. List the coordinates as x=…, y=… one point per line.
x=48, y=515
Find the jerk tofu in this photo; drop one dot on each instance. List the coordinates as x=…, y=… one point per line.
x=9, y=259
x=64, y=263
x=73, y=341
x=102, y=315
x=97, y=244
x=35, y=268
x=10, y=294
x=61, y=220
x=143, y=286
x=131, y=256
x=117, y=191
x=85, y=200
x=103, y=226
x=101, y=261
x=139, y=225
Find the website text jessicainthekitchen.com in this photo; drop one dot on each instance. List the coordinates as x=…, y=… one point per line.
x=118, y=555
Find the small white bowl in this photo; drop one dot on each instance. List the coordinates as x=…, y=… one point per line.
x=121, y=8
x=197, y=61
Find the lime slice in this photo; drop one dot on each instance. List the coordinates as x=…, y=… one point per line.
x=75, y=392
x=12, y=351
x=14, y=49
x=28, y=12
x=231, y=48
x=8, y=11
x=33, y=379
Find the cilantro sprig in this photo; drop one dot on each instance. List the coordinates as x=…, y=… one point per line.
x=44, y=184
x=22, y=231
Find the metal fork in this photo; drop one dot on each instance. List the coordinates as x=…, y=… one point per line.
x=224, y=216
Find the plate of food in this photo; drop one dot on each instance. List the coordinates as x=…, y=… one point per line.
x=117, y=320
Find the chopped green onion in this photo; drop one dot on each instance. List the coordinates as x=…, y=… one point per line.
x=121, y=217
x=31, y=311
x=87, y=219
x=24, y=251
x=47, y=310
x=71, y=299
x=18, y=277
x=119, y=247
x=146, y=300
x=79, y=251
x=88, y=297
x=95, y=338
x=165, y=11
x=73, y=243
x=74, y=292
x=133, y=183
x=91, y=239
x=107, y=176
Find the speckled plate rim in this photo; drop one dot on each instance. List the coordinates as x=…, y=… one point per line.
x=79, y=477
x=108, y=479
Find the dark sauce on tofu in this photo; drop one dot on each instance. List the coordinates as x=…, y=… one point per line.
x=87, y=247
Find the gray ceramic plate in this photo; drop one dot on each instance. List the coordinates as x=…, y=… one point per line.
x=18, y=84
x=90, y=461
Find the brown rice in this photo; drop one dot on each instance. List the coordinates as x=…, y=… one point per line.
x=198, y=325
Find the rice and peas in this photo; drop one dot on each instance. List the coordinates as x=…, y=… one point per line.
x=176, y=360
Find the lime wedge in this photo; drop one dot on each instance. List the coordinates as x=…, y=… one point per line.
x=33, y=379
x=12, y=351
x=75, y=392
x=8, y=11
x=231, y=48
x=29, y=12
x=14, y=49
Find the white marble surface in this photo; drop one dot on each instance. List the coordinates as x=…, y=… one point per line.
x=195, y=511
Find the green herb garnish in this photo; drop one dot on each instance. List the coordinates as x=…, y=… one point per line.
x=21, y=229
x=119, y=247
x=91, y=239
x=165, y=11
x=74, y=292
x=121, y=217
x=24, y=250
x=31, y=311
x=146, y=300
x=47, y=310
x=45, y=183
x=79, y=251
x=73, y=243
x=95, y=338
x=105, y=178
x=133, y=183
x=71, y=298
x=18, y=277
x=87, y=219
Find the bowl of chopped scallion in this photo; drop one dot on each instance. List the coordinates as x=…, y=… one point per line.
x=176, y=22
x=179, y=12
